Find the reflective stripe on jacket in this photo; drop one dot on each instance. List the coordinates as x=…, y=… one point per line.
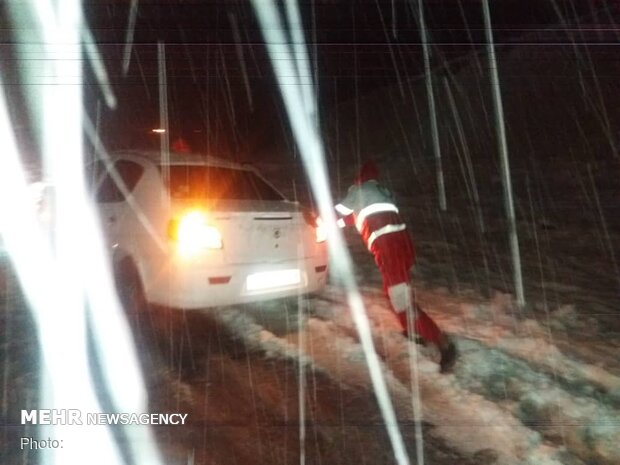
x=372, y=209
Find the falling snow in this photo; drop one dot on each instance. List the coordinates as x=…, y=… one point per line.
x=518, y=261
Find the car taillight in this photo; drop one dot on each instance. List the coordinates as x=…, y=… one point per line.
x=192, y=233
x=312, y=219
x=320, y=230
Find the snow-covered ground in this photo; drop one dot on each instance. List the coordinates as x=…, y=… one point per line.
x=518, y=394
x=515, y=396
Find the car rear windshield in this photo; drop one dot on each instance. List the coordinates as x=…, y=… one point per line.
x=209, y=182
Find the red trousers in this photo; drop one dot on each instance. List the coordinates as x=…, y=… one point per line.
x=394, y=255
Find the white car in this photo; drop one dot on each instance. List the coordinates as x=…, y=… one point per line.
x=197, y=232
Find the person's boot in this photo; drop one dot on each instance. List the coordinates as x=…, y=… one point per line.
x=415, y=338
x=449, y=354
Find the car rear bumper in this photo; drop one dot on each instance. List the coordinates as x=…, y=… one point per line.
x=200, y=286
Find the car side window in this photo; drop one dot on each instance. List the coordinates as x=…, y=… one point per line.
x=129, y=173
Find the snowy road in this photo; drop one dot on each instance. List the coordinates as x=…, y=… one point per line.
x=240, y=383
x=520, y=394
x=514, y=397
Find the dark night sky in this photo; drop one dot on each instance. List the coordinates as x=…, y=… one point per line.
x=353, y=43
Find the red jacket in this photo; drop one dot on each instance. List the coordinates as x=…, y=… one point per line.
x=370, y=206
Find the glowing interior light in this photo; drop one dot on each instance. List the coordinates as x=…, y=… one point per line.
x=273, y=279
x=158, y=130
x=321, y=231
x=194, y=234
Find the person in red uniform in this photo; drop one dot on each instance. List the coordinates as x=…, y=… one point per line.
x=370, y=207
